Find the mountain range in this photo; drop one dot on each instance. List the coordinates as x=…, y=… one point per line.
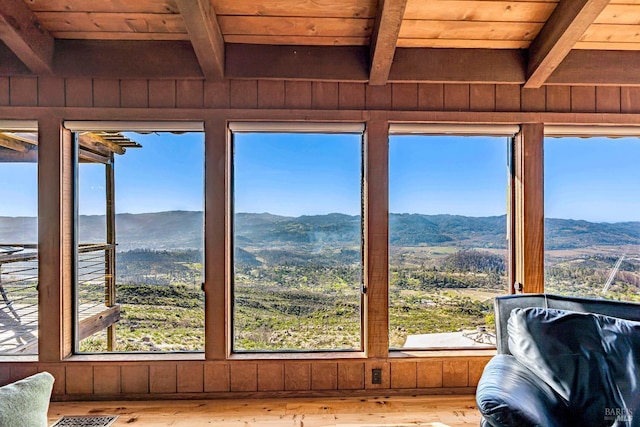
x=183, y=230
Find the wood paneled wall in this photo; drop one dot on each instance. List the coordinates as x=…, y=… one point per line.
x=52, y=100
x=268, y=94
x=188, y=378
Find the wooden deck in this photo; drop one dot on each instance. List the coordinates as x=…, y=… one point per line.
x=21, y=336
x=433, y=411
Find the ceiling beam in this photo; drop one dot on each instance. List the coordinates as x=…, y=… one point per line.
x=563, y=29
x=7, y=141
x=147, y=59
x=328, y=63
x=22, y=33
x=598, y=68
x=385, y=38
x=176, y=60
x=206, y=37
x=443, y=65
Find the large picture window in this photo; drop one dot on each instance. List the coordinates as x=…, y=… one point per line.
x=139, y=259
x=592, y=215
x=447, y=238
x=297, y=239
x=18, y=239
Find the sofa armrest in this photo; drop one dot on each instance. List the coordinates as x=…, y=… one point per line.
x=510, y=395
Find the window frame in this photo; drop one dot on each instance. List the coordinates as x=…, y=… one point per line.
x=508, y=131
x=270, y=127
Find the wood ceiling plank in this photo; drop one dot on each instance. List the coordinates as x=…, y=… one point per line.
x=293, y=26
x=129, y=6
x=105, y=35
x=607, y=46
x=385, y=39
x=611, y=33
x=23, y=34
x=564, y=28
x=626, y=14
x=467, y=30
x=454, y=43
x=474, y=10
x=298, y=40
x=112, y=22
x=204, y=31
x=301, y=8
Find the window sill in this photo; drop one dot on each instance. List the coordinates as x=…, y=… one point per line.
x=425, y=354
x=329, y=355
x=135, y=357
x=16, y=358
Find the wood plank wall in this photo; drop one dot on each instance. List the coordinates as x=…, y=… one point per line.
x=303, y=95
x=50, y=98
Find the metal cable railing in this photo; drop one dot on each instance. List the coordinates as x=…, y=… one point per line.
x=95, y=291
x=19, y=303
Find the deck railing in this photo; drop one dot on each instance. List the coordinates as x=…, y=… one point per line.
x=95, y=293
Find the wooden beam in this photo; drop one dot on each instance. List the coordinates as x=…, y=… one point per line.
x=385, y=39
x=413, y=65
x=23, y=34
x=206, y=37
x=7, y=141
x=91, y=157
x=529, y=207
x=592, y=68
x=336, y=63
x=55, y=240
x=563, y=29
x=218, y=333
x=11, y=156
x=126, y=59
x=28, y=138
x=176, y=60
x=96, y=142
x=98, y=322
x=376, y=238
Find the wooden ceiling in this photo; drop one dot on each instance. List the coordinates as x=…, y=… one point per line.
x=530, y=42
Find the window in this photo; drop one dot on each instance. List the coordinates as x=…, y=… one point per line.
x=18, y=238
x=139, y=263
x=447, y=235
x=297, y=237
x=592, y=214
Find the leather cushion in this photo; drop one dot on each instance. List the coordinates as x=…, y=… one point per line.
x=590, y=360
x=510, y=395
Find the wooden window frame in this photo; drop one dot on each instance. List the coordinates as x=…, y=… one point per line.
x=357, y=128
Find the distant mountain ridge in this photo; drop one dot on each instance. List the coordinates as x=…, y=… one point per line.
x=184, y=230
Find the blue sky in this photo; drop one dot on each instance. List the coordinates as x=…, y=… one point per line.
x=448, y=175
x=166, y=174
x=596, y=179
x=297, y=174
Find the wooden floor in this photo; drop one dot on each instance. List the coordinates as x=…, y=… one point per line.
x=433, y=411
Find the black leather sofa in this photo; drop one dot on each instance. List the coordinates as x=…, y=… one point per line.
x=562, y=361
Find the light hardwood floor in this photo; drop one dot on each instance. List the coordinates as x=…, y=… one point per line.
x=433, y=411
